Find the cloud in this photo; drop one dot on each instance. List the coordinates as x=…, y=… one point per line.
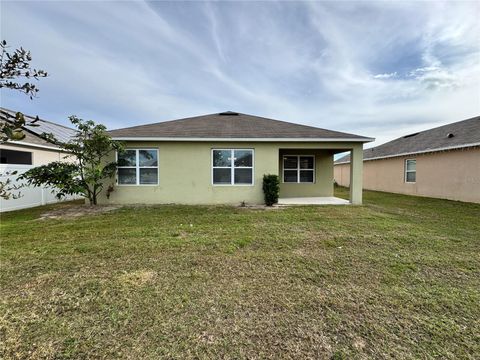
x=385, y=75
x=380, y=69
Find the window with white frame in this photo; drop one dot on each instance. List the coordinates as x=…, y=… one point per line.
x=410, y=170
x=232, y=166
x=137, y=167
x=299, y=169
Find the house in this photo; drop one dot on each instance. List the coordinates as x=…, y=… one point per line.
x=443, y=162
x=30, y=152
x=221, y=159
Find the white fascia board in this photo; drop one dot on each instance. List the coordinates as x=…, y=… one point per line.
x=447, y=148
x=22, y=143
x=128, y=138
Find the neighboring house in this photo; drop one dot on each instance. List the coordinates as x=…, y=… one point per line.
x=443, y=162
x=221, y=159
x=30, y=152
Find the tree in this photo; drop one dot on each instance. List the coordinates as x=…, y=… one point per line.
x=85, y=175
x=15, y=73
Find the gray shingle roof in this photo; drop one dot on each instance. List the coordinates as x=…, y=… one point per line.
x=455, y=135
x=229, y=125
x=60, y=132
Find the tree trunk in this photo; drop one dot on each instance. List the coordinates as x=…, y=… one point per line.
x=93, y=195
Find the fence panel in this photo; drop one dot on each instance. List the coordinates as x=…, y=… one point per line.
x=30, y=196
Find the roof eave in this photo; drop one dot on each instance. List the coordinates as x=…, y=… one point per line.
x=152, y=138
x=32, y=145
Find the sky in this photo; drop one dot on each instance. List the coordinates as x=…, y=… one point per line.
x=378, y=69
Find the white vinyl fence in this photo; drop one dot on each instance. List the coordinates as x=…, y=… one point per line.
x=30, y=196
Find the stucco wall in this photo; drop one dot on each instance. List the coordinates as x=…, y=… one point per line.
x=453, y=175
x=185, y=174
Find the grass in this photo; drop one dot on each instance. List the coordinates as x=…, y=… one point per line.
x=396, y=278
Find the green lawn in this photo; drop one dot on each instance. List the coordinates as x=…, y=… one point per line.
x=396, y=278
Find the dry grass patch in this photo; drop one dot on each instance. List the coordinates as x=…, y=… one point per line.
x=74, y=210
x=137, y=278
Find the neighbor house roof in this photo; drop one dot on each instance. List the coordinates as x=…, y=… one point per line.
x=231, y=126
x=456, y=135
x=62, y=133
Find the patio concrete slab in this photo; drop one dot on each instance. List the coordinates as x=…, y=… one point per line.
x=330, y=200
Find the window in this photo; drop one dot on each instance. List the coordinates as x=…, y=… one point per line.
x=15, y=157
x=232, y=167
x=138, y=167
x=410, y=171
x=299, y=169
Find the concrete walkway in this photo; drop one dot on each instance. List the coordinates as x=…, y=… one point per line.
x=331, y=200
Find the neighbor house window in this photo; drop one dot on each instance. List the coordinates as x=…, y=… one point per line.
x=138, y=167
x=410, y=171
x=15, y=157
x=298, y=169
x=232, y=166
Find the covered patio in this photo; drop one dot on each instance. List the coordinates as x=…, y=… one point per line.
x=307, y=174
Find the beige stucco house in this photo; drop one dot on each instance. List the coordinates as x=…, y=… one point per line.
x=221, y=159
x=443, y=162
x=32, y=151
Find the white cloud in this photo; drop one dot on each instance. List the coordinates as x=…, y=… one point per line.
x=385, y=75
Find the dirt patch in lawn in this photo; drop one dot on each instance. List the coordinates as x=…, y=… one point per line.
x=74, y=211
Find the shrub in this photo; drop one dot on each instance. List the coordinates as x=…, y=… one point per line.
x=271, y=188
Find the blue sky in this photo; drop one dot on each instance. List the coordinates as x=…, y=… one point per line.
x=380, y=69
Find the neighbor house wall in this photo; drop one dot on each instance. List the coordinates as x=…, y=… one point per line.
x=341, y=174
x=185, y=174
x=453, y=175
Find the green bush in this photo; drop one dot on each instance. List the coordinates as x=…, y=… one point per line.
x=271, y=189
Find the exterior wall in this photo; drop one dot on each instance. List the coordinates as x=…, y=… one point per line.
x=453, y=175
x=185, y=174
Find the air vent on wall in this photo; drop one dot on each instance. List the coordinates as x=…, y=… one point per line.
x=228, y=113
x=450, y=135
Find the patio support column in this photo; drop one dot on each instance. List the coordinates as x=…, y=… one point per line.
x=356, y=174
